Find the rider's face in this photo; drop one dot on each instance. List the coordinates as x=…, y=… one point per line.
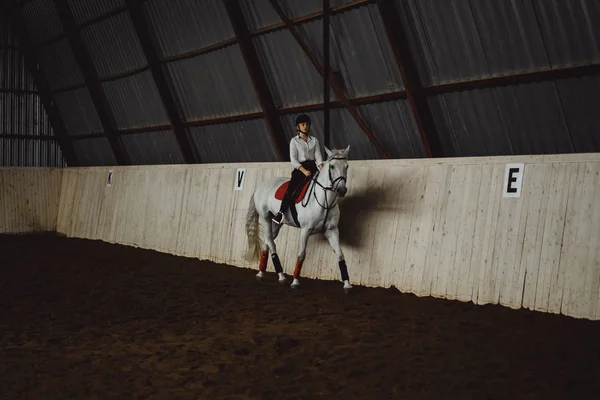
x=303, y=127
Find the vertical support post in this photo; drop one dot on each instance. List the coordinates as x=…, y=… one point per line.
x=326, y=74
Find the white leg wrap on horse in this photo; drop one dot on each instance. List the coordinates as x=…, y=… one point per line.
x=281, y=277
x=295, y=283
x=347, y=285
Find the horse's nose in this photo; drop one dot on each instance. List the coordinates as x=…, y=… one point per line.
x=342, y=191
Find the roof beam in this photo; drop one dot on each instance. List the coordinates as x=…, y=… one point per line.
x=160, y=79
x=410, y=76
x=92, y=80
x=258, y=78
x=332, y=83
x=516, y=79
x=60, y=131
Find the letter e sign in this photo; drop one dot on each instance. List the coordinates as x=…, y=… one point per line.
x=513, y=179
x=239, y=179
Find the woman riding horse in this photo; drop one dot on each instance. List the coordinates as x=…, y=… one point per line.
x=305, y=155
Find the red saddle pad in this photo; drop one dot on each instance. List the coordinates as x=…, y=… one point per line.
x=281, y=191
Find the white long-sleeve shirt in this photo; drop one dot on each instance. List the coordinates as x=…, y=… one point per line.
x=301, y=151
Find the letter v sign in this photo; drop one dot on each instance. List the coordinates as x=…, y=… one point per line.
x=239, y=179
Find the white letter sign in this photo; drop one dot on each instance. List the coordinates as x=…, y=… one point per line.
x=513, y=179
x=239, y=179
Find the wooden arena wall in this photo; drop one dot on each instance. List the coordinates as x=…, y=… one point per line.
x=431, y=227
x=29, y=199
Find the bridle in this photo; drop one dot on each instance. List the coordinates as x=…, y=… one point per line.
x=333, y=188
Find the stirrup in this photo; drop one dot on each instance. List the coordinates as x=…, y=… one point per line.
x=278, y=218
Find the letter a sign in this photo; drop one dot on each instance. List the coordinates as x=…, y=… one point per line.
x=513, y=179
x=239, y=179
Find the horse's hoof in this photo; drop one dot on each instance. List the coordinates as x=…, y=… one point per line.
x=347, y=287
x=295, y=285
x=282, y=281
x=259, y=276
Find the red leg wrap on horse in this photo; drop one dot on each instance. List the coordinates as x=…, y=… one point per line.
x=263, y=260
x=298, y=269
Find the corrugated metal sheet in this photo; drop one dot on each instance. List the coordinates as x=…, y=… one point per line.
x=344, y=131
x=465, y=39
x=114, y=45
x=94, y=152
x=510, y=36
x=85, y=10
x=135, y=101
x=182, y=26
x=78, y=111
x=59, y=65
x=42, y=20
x=359, y=52
x=292, y=79
x=6, y=35
x=580, y=99
x=522, y=119
x=246, y=141
x=259, y=14
x=23, y=114
x=14, y=73
x=213, y=85
x=30, y=153
x=571, y=31
x=153, y=148
x=394, y=126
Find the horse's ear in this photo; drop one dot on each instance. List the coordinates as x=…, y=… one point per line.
x=329, y=153
x=347, y=149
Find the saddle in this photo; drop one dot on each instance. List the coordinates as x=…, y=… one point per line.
x=298, y=198
x=281, y=191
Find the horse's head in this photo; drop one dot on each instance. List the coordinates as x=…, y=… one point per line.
x=337, y=168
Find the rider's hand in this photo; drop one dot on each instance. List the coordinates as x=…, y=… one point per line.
x=305, y=171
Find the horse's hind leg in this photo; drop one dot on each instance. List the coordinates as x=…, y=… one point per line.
x=274, y=257
x=333, y=235
x=264, y=256
x=269, y=245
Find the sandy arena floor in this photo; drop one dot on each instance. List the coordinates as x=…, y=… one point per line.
x=90, y=320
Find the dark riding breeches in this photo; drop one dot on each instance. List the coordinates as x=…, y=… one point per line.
x=296, y=183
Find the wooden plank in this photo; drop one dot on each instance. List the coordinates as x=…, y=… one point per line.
x=485, y=230
x=537, y=191
x=401, y=192
x=461, y=279
x=553, y=239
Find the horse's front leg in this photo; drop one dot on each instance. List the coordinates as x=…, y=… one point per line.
x=304, y=234
x=333, y=235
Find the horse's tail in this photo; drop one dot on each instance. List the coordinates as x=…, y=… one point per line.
x=252, y=232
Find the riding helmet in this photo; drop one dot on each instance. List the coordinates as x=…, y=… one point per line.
x=302, y=118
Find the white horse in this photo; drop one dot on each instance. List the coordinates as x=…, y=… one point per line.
x=318, y=212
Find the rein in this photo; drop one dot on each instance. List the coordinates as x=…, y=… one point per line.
x=331, y=188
